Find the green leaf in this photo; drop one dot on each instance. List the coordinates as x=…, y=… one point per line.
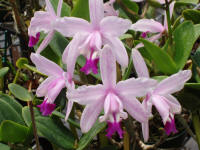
x=162, y=60
x=21, y=61
x=12, y=132
x=188, y=1
x=184, y=38
x=81, y=10
x=87, y=138
x=58, y=43
x=65, y=11
x=3, y=71
x=193, y=15
x=197, y=30
x=4, y=147
x=159, y=78
x=131, y=5
x=34, y=69
x=50, y=129
x=193, y=85
x=12, y=102
x=7, y=112
x=20, y=92
x=196, y=57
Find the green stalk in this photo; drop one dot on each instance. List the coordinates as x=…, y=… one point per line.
x=196, y=123
x=16, y=78
x=168, y=21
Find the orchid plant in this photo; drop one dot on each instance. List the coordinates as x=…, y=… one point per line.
x=114, y=66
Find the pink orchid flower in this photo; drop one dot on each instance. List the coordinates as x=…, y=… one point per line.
x=111, y=96
x=161, y=95
x=51, y=87
x=109, y=9
x=89, y=37
x=43, y=21
x=152, y=26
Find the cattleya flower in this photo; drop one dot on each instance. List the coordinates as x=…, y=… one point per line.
x=111, y=96
x=51, y=87
x=161, y=95
x=109, y=9
x=89, y=37
x=43, y=21
x=152, y=26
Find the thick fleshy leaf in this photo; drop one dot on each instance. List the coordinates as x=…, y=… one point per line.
x=89, y=115
x=117, y=49
x=46, y=66
x=96, y=11
x=47, y=127
x=3, y=71
x=114, y=26
x=134, y=108
x=108, y=67
x=4, y=147
x=88, y=137
x=174, y=83
x=184, y=38
x=20, y=92
x=162, y=60
x=135, y=87
x=69, y=26
x=148, y=25
x=10, y=131
x=139, y=64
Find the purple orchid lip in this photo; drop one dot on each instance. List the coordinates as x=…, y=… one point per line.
x=33, y=40
x=46, y=108
x=170, y=127
x=114, y=127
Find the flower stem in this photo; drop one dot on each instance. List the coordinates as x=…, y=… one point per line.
x=168, y=21
x=33, y=120
x=196, y=123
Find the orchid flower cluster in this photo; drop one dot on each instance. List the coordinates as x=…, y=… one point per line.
x=98, y=41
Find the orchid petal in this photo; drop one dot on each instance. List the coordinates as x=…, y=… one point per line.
x=171, y=9
x=114, y=26
x=175, y=106
x=86, y=94
x=59, y=8
x=117, y=49
x=69, y=26
x=90, y=114
x=139, y=64
x=174, y=83
x=145, y=131
x=135, y=87
x=49, y=7
x=45, y=42
x=69, y=109
x=109, y=9
x=162, y=107
x=40, y=22
x=108, y=67
x=43, y=88
x=46, y=66
x=148, y=25
x=96, y=11
x=134, y=108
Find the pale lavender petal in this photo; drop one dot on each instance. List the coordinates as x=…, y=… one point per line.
x=86, y=94
x=49, y=7
x=109, y=9
x=145, y=131
x=41, y=21
x=69, y=109
x=139, y=64
x=45, y=42
x=108, y=67
x=54, y=89
x=118, y=50
x=90, y=114
x=162, y=107
x=114, y=26
x=175, y=106
x=46, y=66
x=134, y=108
x=171, y=9
x=174, y=83
x=135, y=87
x=59, y=8
x=138, y=0
x=147, y=25
x=96, y=12
x=95, y=41
x=69, y=26
x=43, y=88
